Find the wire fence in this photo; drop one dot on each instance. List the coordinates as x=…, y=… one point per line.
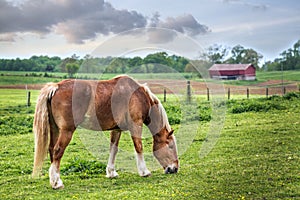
x=209, y=90
x=190, y=89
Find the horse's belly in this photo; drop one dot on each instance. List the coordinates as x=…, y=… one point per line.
x=96, y=124
x=90, y=122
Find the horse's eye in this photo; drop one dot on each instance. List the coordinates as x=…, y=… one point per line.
x=170, y=144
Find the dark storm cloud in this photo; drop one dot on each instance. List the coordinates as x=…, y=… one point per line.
x=185, y=24
x=80, y=20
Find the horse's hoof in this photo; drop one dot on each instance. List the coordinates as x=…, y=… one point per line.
x=146, y=173
x=111, y=173
x=58, y=185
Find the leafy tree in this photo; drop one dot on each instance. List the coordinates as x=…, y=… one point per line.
x=200, y=67
x=118, y=65
x=239, y=54
x=63, y=64
x=289, y=60
x=160, y=57
x=291, y=57
x=135, y=62
x=72, y=68
x=251, y=56
x=178, y=63
x=215, y=54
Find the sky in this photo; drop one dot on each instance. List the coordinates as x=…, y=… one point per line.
x=136, y=27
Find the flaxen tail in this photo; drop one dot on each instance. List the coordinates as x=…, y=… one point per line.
x=41, y=127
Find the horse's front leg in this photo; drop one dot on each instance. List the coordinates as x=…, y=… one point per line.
x=63, y=140
x=136, y=136
x=114, y=142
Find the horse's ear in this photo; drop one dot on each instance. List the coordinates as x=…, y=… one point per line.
x=171, y=132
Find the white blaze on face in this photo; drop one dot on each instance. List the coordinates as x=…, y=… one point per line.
x=167, y=155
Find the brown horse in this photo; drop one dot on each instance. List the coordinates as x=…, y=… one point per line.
x=118, y=104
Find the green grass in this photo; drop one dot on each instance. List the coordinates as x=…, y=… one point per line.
x=23, y=80
x=257, y=156
x=293, y=75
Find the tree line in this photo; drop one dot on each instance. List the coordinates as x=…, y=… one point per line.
x=288, y=60
x=159, y=62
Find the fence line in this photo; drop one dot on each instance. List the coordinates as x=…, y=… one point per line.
x=210, y=92
x=229, y=92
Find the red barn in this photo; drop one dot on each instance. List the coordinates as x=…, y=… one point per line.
x=233, y=71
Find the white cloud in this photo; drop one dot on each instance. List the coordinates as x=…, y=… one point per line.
x=81, y=20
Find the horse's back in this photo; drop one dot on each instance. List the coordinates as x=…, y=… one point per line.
x=99, y=105
x=71, y=102
x=126, y=102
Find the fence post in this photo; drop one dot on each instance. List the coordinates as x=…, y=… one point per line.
x=165, y=95
x=207, y=91
x=188, y=91
x=228, y=93
x=267, y=92
x=247, y=93
x=28, y=99
x=284, y=90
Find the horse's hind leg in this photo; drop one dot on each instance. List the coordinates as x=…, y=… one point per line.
x=54, y=133
x=63, y=140
x=114, y=142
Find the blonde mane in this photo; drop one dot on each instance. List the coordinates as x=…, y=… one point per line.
x=160, y=107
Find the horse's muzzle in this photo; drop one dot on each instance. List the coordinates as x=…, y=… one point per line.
x=171, y=170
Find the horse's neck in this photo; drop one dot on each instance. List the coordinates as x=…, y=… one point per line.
x=156, y=119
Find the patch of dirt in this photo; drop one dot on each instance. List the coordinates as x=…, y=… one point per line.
x=29, y=87
x=273, y=83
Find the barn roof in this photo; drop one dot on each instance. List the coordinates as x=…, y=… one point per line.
x=226, y=67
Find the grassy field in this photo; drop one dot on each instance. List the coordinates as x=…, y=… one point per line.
x=257, y=156
x=8, y=78
x=267, y=76
x=14, y=77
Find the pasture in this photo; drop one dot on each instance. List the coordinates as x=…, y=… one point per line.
x=257, y=156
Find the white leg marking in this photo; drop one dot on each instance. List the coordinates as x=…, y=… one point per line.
x=141, y=165
x=54, y=177
x=110, y=169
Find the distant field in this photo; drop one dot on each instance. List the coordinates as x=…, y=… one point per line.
x=8, y=77
x=267, y=76
x=278, y=75
x=13, y=78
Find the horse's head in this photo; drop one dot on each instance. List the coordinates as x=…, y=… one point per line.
x=165, y=150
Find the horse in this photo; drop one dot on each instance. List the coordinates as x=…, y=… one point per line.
x=116, y=105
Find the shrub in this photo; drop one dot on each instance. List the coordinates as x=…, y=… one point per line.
x=255, y=105
x=204, y=112
x=84, y=168
x=174, y=113
x=292, y=95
